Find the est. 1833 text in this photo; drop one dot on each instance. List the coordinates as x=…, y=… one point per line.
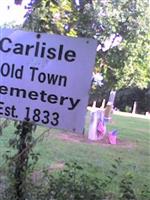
x=33, y=115
x=44, y=117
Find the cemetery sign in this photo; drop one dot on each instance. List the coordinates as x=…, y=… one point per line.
x=45, y=78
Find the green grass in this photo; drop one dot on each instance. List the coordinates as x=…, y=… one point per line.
x=134, y=133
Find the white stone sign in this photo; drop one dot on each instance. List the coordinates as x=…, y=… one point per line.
x=45, y=78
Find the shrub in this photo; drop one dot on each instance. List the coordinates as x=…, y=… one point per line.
x=126, y=188
x=69, y=184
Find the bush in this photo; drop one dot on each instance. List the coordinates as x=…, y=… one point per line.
x=69, y=184
x=72, y=183
x=126, y=188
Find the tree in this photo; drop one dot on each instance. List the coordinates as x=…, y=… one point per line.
x=123, y=65
x=126, y=64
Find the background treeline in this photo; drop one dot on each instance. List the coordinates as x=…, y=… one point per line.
x=124, y=99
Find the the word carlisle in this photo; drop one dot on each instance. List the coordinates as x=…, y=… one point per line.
x=45, y=78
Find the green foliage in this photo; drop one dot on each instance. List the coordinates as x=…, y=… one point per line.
x=18, y=164
x=126, y=188
x=3, y=124
x=124, y=65
x=128, y=63
x=74, y=184
x=48, y=16
x=71, y=183
x=145, y=192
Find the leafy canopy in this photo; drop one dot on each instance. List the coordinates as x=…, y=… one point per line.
x=123, y=64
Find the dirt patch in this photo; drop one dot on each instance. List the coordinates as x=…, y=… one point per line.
x=74, y=138
x=71, y=137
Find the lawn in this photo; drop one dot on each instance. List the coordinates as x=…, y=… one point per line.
x=58, y=147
